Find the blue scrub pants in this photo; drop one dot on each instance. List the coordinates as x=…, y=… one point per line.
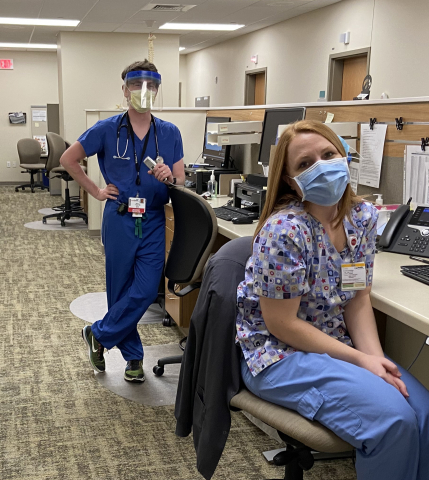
x=133, y=271
x=390, y=433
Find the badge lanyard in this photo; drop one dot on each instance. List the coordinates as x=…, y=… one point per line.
x=146, y=141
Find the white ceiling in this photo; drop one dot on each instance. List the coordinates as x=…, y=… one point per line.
x=127, y=16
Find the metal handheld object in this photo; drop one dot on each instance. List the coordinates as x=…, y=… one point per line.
x=150, y=164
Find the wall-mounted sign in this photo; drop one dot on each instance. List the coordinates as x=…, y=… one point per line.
x=254, y=59
x=6, y=64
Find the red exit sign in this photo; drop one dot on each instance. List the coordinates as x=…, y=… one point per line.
x=6, y=64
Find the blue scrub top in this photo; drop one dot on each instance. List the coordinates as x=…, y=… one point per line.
x=101, y=139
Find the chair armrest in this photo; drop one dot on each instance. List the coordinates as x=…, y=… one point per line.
x=184, y=291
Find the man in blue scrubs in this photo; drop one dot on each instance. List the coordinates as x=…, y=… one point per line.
x=134, y=242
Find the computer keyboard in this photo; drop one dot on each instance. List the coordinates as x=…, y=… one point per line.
x=229, y=212
x=417, y=272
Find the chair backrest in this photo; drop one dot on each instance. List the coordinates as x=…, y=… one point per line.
x=195, y=230
x=56, y=147
x=29, y=151
x=230, y=261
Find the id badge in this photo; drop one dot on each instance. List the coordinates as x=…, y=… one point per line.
x=137, y=206
x=353, y=276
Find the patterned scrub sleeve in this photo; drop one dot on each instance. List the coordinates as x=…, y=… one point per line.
x=280, y=260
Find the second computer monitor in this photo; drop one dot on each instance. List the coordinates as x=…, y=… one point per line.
x=216, y=155
x=272, y=119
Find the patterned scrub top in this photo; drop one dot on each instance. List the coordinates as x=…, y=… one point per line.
x=293, y=256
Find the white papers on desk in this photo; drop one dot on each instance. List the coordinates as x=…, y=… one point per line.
x=416, y=175
x=371, y=150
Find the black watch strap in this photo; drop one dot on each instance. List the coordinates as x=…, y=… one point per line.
x=174, y=180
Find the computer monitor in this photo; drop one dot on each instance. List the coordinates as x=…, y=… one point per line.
x=272, y=119
x=216, y=155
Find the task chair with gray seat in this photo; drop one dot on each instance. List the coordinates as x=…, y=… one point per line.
x=210, y=382
x=195, y=231
x=29, y=151
x=56, y=147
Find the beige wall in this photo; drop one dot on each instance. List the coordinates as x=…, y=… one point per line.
x=91, y=65
x=296, y=53
x=400, y=40
x=33, y=81
x=183, y=78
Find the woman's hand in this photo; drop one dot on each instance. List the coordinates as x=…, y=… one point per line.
x=162, y=173
x=108, y=192
x=385, y=369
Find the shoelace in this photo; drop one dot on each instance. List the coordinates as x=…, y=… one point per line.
x=134, y=364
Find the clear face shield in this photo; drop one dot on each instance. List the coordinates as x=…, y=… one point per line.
x=142, y=90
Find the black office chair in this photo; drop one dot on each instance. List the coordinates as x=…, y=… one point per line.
x=29, y=151
x=56, y=147
x=213, y=324
x=195, y=231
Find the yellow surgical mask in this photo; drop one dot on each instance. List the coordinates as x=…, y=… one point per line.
x=141, y=102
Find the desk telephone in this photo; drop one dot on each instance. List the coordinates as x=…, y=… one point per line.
x=407, y=232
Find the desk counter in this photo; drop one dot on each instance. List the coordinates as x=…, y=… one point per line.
x=392, y=293
x=398, y=296
x=228, y=229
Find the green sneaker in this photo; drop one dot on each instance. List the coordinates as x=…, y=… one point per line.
x=95, y=350
x=134, y=371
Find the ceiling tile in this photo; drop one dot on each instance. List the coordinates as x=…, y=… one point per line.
x=41, y=35
x=15, y=35
x=134, y=28
x=114, y=11
x=214, y=11
x=97, y=27
x=20, y=8
x=160, y=17
x=127, y=16
x=70, y=10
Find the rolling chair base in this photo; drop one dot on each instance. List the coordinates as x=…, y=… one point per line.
x=158, y=369
x=29, y=185
x=63, y=216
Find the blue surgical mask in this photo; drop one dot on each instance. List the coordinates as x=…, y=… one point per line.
x=325, y=182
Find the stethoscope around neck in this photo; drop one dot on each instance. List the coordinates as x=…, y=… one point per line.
x=130, y=133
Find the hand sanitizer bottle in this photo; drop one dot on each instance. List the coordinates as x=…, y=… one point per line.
x=212, y=185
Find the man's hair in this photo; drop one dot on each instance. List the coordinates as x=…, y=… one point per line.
x=136, y=66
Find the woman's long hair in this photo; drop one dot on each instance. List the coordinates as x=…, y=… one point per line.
x=279, y=193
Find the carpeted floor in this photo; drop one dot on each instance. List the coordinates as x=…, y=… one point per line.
x=56, y=421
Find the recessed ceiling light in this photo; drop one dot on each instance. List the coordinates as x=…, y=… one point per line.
x=28, y=45
x=181, y=49
x=229, y=27
x=39, y=22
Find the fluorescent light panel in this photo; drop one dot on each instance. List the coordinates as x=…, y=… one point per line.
x=39, y=22
x=229, y=27
x=28, y=45
x=181, y=49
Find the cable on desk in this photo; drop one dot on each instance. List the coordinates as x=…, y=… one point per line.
x=419, y=352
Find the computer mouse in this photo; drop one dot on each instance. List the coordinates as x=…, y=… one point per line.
x=242, y=220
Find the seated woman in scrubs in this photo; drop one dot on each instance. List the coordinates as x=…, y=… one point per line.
x=305, y=322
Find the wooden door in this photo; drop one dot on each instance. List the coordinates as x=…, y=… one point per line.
x=354, y=71
x=260, y=89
